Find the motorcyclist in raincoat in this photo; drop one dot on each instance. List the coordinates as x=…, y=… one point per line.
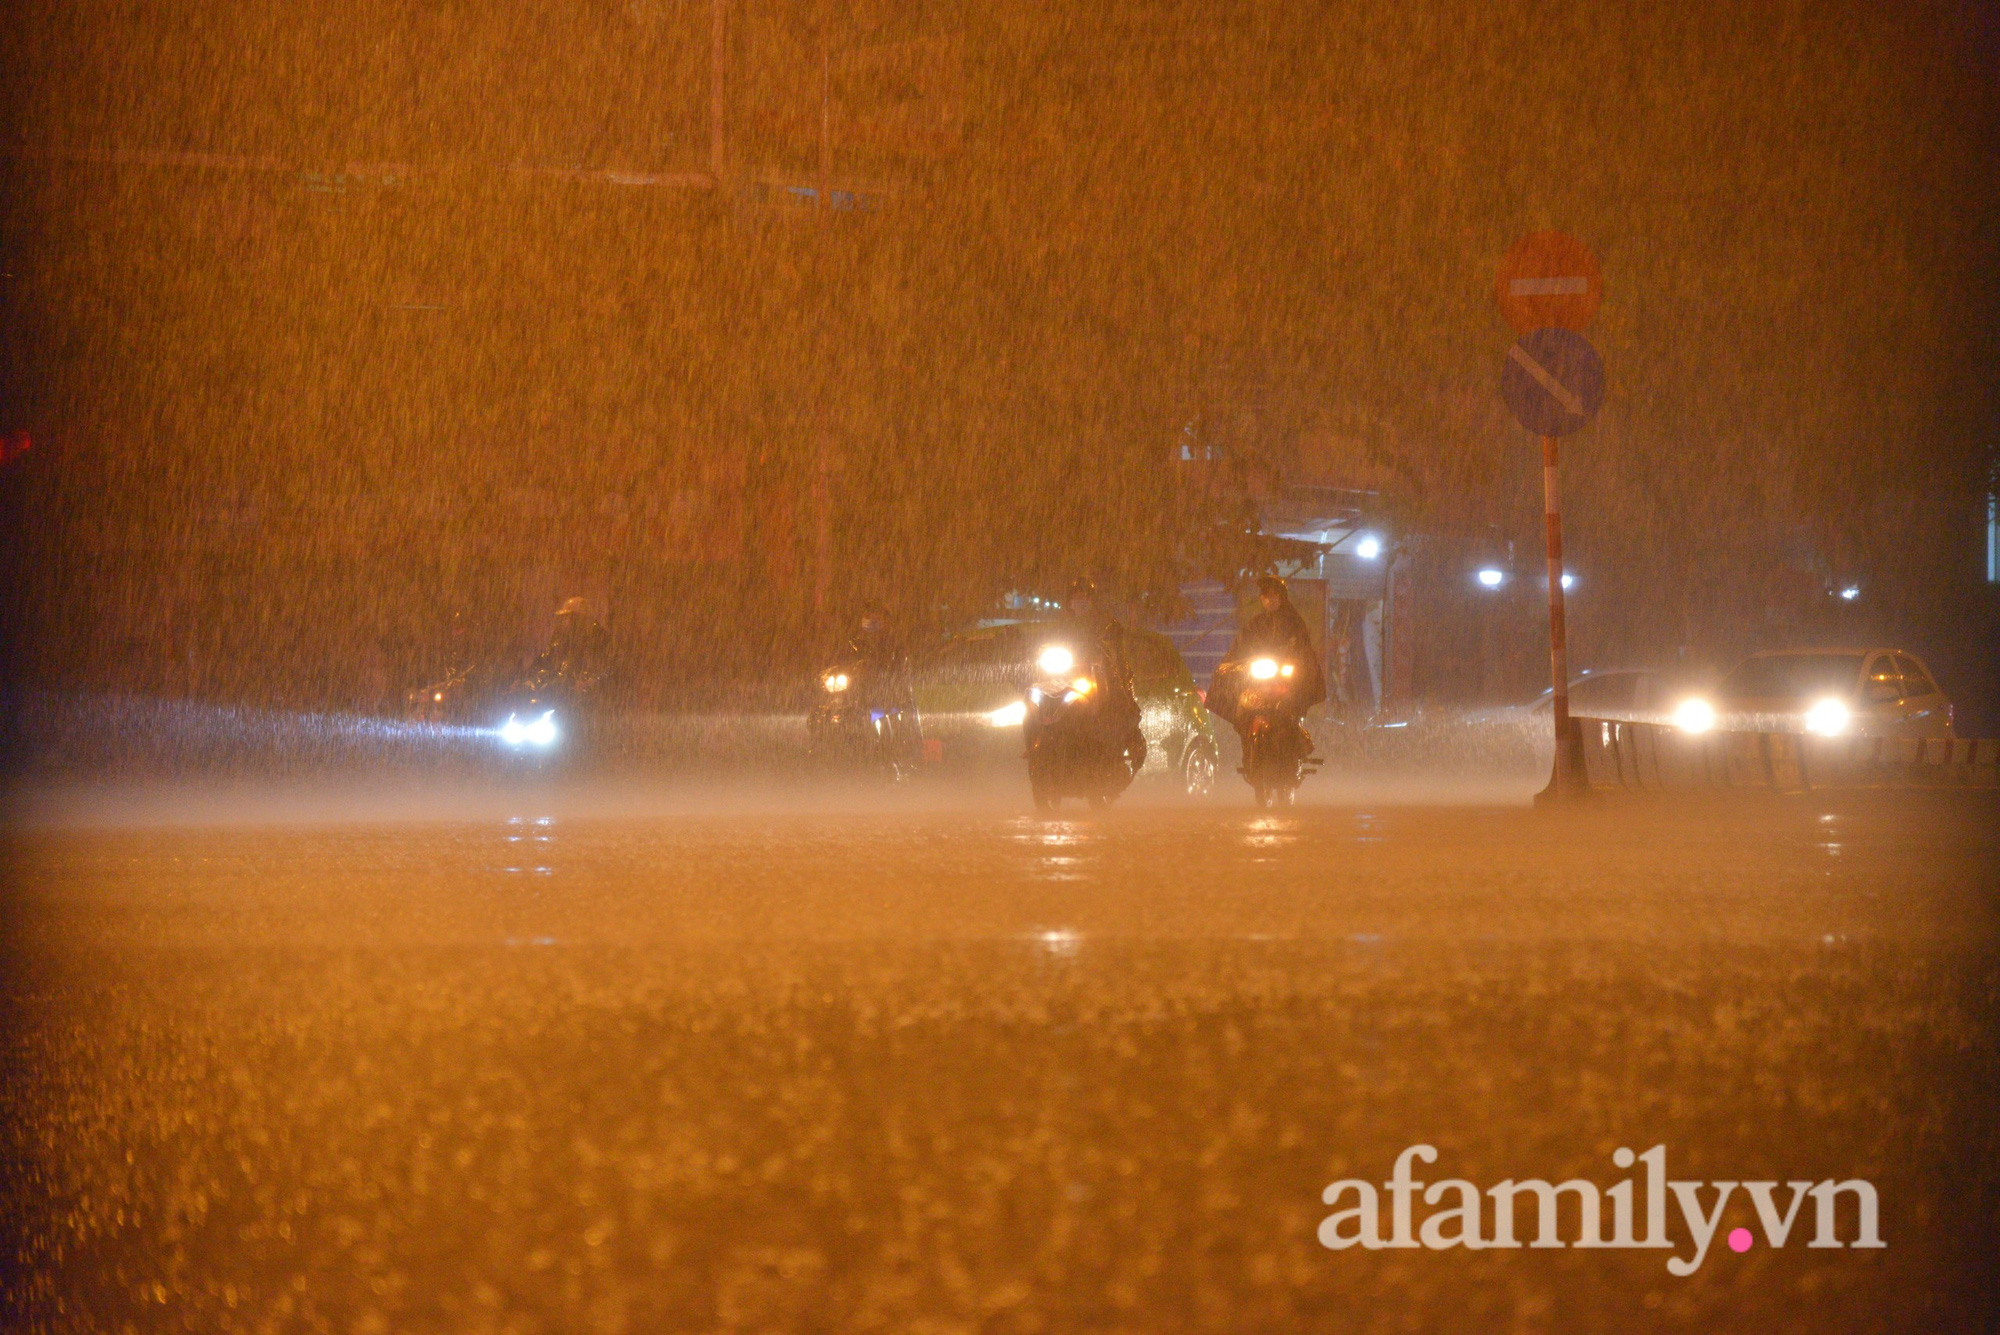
x=579, y=649
x=1099, y=637
x=1274, y=630
x=866, y=708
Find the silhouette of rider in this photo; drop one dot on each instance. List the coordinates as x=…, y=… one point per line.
x=1100, y=639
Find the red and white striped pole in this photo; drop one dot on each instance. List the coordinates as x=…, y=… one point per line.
x=1563, y=781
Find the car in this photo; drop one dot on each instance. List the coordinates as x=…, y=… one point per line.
x=970, y=699
x=1828, y=692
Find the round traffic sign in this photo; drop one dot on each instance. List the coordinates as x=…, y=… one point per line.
x=1548, y=281
x=1553, y=381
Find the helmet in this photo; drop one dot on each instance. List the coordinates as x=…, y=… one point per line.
x=573, y=605
x=1270, y=584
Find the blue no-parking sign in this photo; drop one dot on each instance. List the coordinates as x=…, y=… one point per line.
x=1553, y=381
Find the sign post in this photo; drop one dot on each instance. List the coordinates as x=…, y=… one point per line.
x=1564, y=778
x=1553, y=381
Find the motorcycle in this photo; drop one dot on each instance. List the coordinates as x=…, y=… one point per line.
x=539, y=711
x=854, y=723
x=1277, y=752
x=1074, y=750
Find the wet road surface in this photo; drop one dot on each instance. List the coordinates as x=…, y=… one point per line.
x=551, y=1065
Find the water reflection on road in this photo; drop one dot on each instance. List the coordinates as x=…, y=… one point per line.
x=539, y=1065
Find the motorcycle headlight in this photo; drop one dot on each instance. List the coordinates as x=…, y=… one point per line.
x=835, y=682
x=535, y=732
x=1828, y=717
x=1083, y=686
x=1695, y=715
x=1287, y=670
x=1263, y=669
x=1008, y=716
x=1056, y=660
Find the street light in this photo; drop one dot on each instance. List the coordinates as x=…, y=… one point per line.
x=1369, y=547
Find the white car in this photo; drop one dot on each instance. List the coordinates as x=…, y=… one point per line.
x=1827, y=692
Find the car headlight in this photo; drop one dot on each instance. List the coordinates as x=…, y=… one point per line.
x=513, y=731
x=835, y=682
x=1263, y=669
x=1008, y=716
x=1828, y=717
x=1056, y=660
x=1694, y=716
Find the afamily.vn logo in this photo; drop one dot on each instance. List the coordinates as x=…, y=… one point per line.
x=1463, y=1224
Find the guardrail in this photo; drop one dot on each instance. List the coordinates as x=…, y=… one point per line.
x=1638, y=753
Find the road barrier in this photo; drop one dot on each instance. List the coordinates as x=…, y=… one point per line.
x=1637, y=753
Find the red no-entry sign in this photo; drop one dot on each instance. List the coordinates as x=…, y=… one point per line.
x=1548, y=281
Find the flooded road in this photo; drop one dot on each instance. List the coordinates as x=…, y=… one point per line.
x=544, y=1064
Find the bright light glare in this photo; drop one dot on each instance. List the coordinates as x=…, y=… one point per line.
x=835, y=682
x=1369, y=547
x=538, y=732
x=1083, y=686
x=1694, y=716
x=1263, y=669
x=1056, y=660
x=1491, y=578
x=1827, y=717
x=1850, y=593
x=1008, y=716
x=1569, y=581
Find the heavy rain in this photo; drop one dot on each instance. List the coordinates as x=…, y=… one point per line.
x=843, y=665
